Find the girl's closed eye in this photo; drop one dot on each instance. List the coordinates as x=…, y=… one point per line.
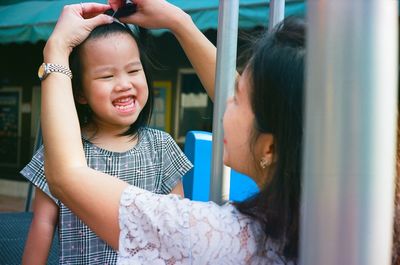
x=103, y=76
x=108, y=76
x=134, y=71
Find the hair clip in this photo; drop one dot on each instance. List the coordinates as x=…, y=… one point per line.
x=127, y=9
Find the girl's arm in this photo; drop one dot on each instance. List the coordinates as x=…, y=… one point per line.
x=93, y=196
x=41, y=232
x=178, y=189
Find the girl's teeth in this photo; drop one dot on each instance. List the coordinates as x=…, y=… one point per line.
x=124, y=103
x=123, y=100
x=124, y=107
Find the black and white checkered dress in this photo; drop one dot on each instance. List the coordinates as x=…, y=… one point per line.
x=156, y=164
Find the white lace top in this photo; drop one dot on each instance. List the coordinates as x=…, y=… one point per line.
x=165, y=229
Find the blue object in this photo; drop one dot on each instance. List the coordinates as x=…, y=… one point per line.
x=241, y=187
x=196, y=183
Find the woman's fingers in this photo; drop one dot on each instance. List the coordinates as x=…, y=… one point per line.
x=92, y=9
x=115, y=4
x=153, y=14
x=76, y=22
x=93, y=14
x=98, y=20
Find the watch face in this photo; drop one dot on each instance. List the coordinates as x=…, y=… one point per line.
x=41, y=71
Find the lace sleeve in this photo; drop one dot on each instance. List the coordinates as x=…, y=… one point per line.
x=164, y=229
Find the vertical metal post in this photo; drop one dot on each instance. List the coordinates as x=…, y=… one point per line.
x=228, y=20
x=276, y=12
x=351, y=106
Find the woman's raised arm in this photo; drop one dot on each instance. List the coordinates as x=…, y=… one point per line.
x=200, y=51
x=91, y=195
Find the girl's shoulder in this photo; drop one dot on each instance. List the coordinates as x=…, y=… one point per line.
x=154, y=135
x=152, y=131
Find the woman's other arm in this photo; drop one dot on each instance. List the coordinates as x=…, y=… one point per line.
x=93, y=196
x=200, y=51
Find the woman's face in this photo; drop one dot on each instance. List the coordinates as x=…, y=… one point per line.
x=114, y=84
x=238, y=126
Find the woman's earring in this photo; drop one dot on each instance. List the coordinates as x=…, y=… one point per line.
x=264, y=163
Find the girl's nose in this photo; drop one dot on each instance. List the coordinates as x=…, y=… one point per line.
x=124, y=83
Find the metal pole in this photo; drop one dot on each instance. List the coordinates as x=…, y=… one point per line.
x=351, y=106
x=276, y=13
x=228, y=20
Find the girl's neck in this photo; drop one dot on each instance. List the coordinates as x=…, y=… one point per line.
x=109, y=139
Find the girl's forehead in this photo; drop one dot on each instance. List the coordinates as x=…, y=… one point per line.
x=110, y=43
x=108, y=37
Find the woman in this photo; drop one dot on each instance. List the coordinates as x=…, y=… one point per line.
x=263, y=139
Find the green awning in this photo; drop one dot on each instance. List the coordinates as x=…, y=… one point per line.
x=32, y=21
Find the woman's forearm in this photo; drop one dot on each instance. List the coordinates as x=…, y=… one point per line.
x=93, y=196
x=154, y=14
x=200, y=51
x=61, y=131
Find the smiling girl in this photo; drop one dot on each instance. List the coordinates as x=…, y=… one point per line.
x=114, y=104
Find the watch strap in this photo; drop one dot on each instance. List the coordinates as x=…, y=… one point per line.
x=52, y=67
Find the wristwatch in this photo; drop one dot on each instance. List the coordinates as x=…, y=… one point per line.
x=47, y=68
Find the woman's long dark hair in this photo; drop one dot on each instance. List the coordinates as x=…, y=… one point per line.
x=276, y=77
x=108, y=30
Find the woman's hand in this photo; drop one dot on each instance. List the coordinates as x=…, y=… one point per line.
x=73, y=26
x=152, y=14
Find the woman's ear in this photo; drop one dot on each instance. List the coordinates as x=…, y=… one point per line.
x=266, y=148
x=81, y=99
x=265, y=154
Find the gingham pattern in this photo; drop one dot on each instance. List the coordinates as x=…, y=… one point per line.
x=156, y=164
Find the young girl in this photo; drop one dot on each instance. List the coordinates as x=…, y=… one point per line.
x=114, y=106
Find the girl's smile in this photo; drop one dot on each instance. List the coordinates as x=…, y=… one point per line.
x=125, y=105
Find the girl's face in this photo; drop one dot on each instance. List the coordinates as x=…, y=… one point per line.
x=113, y=80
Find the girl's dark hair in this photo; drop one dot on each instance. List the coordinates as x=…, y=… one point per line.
x=107, y=30
x=276, y=77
